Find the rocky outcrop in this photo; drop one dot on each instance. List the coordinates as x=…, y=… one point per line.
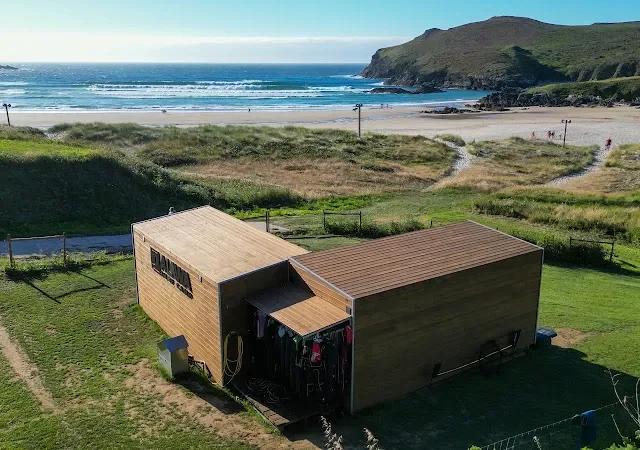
x=388, y=90
x=397, y=90
x=8, y=68
x=509, y=98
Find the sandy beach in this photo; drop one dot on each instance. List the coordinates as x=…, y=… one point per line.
x=589, y=125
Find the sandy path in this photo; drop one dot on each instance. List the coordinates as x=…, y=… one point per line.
x=598, y=161
x=25, y=370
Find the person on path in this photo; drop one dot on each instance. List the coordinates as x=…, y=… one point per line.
x=533, y=135
x=608, y=144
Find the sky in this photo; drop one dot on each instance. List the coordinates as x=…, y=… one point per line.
x=266, y=31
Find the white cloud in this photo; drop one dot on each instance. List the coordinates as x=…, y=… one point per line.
x=97, y=47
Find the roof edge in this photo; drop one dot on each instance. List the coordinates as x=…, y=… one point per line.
x=167, y=215
x=331, y=285
x=235, y=277
x=507, y=234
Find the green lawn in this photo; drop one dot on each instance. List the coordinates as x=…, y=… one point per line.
x=88, y=339
x=86, y=336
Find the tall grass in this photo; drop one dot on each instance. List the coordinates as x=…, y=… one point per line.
x=622, y=223
x=453, y=138
x=49, y=187
x=173, y=146
x=372, y=229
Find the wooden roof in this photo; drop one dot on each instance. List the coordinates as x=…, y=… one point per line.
x=298, y=309
x=216, y=244
x=379, y=265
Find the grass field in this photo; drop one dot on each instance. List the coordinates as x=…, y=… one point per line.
x=310, y=162
x=94, y=351
x=91, y=351
x=516, y=161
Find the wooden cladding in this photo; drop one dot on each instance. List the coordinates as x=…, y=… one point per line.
x=299, y=274
x=196, y=318
x=400, y=335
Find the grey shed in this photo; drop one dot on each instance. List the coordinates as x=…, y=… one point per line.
x=173, y=356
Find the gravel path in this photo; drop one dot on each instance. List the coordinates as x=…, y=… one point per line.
x=598, y=161
x=87, y=244
x=463, y=159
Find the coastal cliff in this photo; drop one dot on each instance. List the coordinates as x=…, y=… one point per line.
x=510, y=52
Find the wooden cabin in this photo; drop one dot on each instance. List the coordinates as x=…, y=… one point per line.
x=389, y=316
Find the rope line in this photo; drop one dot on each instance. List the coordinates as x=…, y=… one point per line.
x=498, y=444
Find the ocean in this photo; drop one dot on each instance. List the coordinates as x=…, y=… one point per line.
x=202, y=87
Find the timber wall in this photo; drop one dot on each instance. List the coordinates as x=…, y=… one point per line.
x=400, y=335
x=196, y=318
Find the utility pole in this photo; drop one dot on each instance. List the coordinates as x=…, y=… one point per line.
x=6, y=106
x=358, y=107
x=565, y=122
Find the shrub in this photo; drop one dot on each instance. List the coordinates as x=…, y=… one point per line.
x=376, y=167
x=371, y=229
x=559, y=250
x=453, y=138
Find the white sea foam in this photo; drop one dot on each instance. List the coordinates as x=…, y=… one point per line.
x=13, y=83
x=353, y=77
x=12, y=92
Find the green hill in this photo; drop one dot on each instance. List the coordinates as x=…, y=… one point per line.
x=50, y=187
x=511, y=51
x=627, y=89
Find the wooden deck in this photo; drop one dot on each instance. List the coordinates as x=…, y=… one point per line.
x=282, y=414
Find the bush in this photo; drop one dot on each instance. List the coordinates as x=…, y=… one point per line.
x=559, y=250
x=371, y=229
x=453, y=138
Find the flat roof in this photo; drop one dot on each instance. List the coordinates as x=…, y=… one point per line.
x=216, y=244
x=379, y=265
x=298, y=309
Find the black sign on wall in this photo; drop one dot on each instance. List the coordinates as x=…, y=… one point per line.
x=172, y=272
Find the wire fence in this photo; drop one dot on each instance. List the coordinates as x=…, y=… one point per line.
x=612, y=420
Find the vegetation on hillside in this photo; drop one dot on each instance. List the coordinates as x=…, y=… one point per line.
x=511, y=51
x=49, y=187
x=517, y=161
x=316, y=163
x=619, y=176
x=627, y=89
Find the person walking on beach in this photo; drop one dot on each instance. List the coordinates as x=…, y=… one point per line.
x=533, y=135
x=549, y=134
x=249, y=109
x=608, y=144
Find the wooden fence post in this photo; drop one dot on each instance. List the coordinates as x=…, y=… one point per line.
x=64, y=248
x=266, y=219
x=570, y=241
x=360, y=223
x=10, y=249
x=611, y=254
x=324, y=221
